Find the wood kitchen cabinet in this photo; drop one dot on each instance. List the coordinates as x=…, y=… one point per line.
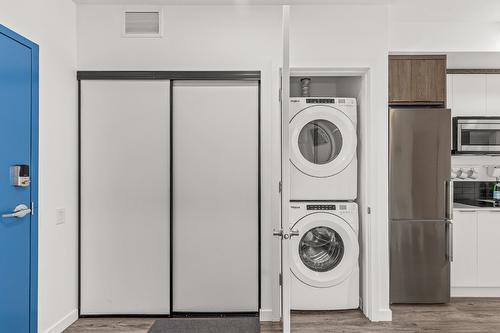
x=417, y=79
x=399, y=80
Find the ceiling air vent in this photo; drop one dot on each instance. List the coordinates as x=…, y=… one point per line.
x=142, y=24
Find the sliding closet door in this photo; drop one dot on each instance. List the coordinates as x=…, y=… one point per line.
x=215, y=196
x=125, y=188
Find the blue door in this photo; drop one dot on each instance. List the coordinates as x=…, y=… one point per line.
x=18, y=123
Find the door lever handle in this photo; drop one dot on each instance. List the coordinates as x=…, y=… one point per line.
x=19, y=212
x=284, y=235
x=278, y=233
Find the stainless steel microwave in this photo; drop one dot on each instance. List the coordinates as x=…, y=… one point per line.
x=476, y=135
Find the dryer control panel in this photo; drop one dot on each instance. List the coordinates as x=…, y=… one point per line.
x=327, y=207
x=336, y=207
x=320, y=100
x=325, y=100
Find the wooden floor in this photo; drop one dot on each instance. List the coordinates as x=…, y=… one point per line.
x=463, y=315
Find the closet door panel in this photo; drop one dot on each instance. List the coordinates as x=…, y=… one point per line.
x=125, y=190
x=215, y=196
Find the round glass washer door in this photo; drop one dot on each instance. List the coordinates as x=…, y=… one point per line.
x=326, y=250
x=323, y=141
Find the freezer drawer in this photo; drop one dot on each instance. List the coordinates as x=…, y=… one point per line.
x=420, y=261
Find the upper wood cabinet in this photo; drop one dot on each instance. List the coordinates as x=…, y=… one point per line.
x=418, y=79
x=399, y=80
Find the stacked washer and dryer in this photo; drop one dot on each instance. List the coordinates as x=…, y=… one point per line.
x=323, y=171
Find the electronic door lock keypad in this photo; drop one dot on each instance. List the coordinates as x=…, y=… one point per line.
x=20, y=175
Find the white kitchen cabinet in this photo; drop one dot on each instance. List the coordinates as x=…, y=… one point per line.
x=493, y=95
x=449, y=91
x=464, y=265
x=488, y=244
x=469, y=94
x=449, y=103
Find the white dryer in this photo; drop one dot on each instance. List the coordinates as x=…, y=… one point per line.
x=324, y=259
x=323, y=141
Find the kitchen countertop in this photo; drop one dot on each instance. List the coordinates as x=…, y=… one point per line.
x=461, y=206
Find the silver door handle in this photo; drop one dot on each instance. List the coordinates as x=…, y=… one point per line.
x=284, y=235
x=449, y=249
x=293, y=233
x=19, y=212
x=449, y=199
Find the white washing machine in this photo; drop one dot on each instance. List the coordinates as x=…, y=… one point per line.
x=323, y=141
x=324, y=259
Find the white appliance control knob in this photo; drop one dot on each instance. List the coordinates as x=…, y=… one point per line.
x=454, y=173
x=473, y=174
x=462, y=174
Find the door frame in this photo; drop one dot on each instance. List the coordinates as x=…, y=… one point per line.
x=173, y=76
x=373, y=273
x=33, y=173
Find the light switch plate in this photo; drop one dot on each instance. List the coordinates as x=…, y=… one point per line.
x=60, y=215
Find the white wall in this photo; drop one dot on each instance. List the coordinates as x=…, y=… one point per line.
x=206, y=38
x=195, y=38
x=357, y=37
x=52, y=25
x=445, y=25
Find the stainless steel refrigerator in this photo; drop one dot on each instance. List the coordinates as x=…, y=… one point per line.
x=420, y=205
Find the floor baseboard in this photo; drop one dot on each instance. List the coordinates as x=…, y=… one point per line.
x=475, y=292
x=267, y=315
x=63, y=323
x=382, y=315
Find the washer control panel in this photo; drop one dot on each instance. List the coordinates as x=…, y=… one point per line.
x=327, y=207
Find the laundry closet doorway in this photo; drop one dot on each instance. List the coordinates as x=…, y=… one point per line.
x=169, y=193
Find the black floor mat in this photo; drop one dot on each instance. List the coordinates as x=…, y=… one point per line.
x=207, y=325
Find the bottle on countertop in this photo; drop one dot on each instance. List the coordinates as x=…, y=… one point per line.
x=496, y=190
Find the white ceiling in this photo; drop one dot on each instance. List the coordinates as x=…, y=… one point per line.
x=231, y=2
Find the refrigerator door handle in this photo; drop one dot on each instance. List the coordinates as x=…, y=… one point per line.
x=449, y=241
x=449, y=219
x=449, y=199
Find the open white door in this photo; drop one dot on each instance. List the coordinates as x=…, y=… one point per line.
x=284, y=232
